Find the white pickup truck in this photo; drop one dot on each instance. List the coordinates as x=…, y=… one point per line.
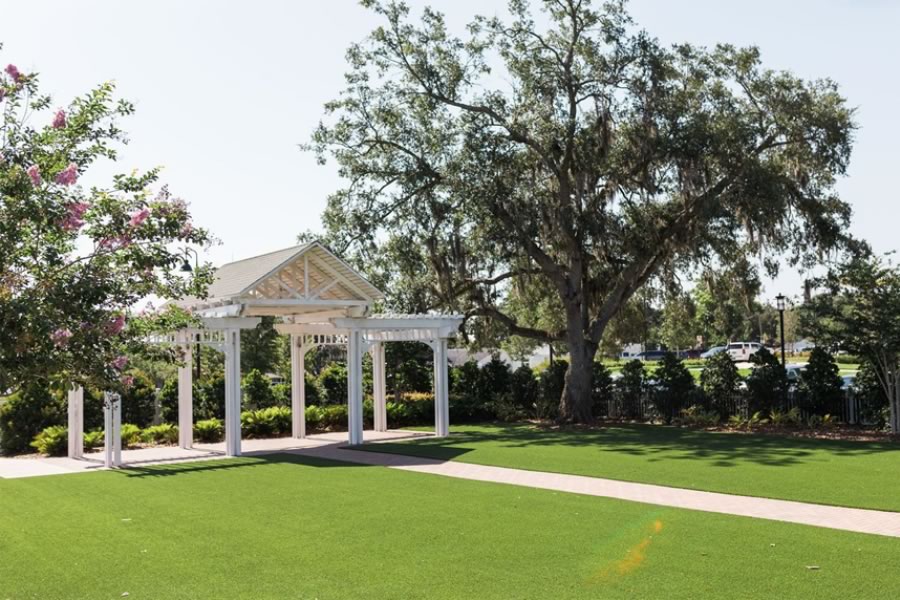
x=742, y=351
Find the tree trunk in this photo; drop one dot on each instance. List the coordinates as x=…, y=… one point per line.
x=576, y=402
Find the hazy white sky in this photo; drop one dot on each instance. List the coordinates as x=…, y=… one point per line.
x=226, y=91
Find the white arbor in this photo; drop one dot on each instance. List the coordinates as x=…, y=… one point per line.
x=321, y=301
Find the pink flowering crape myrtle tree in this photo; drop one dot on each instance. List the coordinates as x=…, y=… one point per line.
x=74, y=261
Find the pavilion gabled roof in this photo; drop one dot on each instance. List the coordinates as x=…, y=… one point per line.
x=299, y=279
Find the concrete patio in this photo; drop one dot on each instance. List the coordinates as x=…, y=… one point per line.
x=14, y=468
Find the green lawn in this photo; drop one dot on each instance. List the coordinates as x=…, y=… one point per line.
x=285, y=527
x=858, y=474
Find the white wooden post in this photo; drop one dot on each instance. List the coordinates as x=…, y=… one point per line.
x=76, y=421
x=441, y=389
x=354, y=389
x=379, y=399
x=298, y=386
x=186, y=395
x=117, y=429
x=232, y=392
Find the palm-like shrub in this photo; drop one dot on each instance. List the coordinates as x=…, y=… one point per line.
x=52, y=441
x=131, y=435
x=164, y=433
x=209, y=431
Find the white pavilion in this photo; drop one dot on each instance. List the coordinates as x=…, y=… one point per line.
x=320, y=300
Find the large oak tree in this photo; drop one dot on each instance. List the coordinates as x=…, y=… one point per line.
x=572, y=154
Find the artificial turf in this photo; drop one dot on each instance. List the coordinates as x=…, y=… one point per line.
x=290, y=527
x=843, y=473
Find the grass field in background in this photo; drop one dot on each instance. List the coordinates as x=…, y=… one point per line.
x=844, y=473
x=286, y=527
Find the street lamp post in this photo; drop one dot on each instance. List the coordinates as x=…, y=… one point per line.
x=780, y=301
x=187, y=268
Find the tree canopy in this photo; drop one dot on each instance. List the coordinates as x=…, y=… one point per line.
x=75, y=261
x=571, y=155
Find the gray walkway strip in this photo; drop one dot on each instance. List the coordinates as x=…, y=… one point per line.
x=847, y=519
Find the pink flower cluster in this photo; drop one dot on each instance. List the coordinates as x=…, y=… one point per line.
x=139, y=217
x=61, y=337
x=116, y=326
x=186, y=230
x=119, y=363
x=115, y=243
x=13, y=72
x=75, y=217
x=34, y=172
x=68, y=176
x=127, y=381
x=59, y=120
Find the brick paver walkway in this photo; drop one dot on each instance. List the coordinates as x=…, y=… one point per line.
x=847, y=519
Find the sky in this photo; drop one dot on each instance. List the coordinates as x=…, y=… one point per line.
x=227, y=91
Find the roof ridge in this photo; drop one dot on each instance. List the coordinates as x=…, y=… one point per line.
x=297, y=248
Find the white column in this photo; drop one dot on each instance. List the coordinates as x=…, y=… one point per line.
x=232, y=392
x=379, y=399
x=186, y=395
x=76, y=421
x=117, y=430
x=354, y=389
x=441, y=389
x=298, y=387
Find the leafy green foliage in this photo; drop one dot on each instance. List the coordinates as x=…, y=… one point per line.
x=820, y=384
x=720, y=380
x=601, y=388
x=131, y=435
x=767, y=383
x=164, y=433
x=52, y=441
x=260, y=348
x=857, y=311
x=77, y=259
x=93, y=440
x=139, y=400
x=674, y=387
x=26, y=413
x=257, y=390
x=631, y=387
x=333, y=383
x=566, y=165
x=209, y=431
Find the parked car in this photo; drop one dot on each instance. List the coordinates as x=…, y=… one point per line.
x=689, y=354
x=794, y=373
x=742, y=351
x=849, y=382
x=651, y=355
x=713, y=351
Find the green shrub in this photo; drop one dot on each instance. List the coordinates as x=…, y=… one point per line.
x=333, y=381
x=675, y=387
x=697, y=416
x=280, y=417
x=165, y=433
x=631, y=386
x=334, y=417
x=523, y=388
x=873, y=402
x=131, y=435
x=767, y=383
x=52, y=441
x=93, y=440
x=256, y=424
x=820, y=384
x=551, y=384
x=720, y=380
x=139, y=400
x=314, y=416
x=209, y=431
x=25, y=414
x=601, y=389
x=257, y=391
x=281, y=394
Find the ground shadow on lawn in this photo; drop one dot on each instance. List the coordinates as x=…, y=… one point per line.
x=653, y=442
x=231, y=464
